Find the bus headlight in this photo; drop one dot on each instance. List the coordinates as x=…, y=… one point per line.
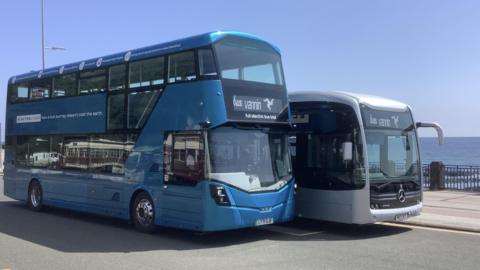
x=219, y=194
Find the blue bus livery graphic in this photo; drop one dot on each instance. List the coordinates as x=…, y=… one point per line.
x=58, y=116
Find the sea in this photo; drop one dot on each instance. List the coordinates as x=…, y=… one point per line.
x=454, y=151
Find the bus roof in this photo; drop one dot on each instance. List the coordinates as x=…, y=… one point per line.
x=135, y=54
x=375, y=102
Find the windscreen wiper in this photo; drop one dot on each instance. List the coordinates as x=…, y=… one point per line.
x=385, y=174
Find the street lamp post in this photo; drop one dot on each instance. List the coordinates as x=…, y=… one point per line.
x=43, y=43
x=53, y=48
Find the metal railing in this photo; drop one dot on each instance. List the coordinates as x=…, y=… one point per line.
x=455, y=177
x=426, y=175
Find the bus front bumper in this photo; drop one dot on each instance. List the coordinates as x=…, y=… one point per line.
x=396, y=214
x=234, y=217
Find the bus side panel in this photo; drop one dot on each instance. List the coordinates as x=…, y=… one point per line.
x=329, y=205
x=68, y=187
x=361, y=206
x=345, y=206
x=181, y=207
x=108, y=192
x=9, y=188
x=75, y=190
x=23, y=177
x=180, y=107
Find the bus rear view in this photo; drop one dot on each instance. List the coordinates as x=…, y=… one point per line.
x=356, y=158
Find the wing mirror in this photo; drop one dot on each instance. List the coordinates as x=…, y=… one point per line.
x=436, y=126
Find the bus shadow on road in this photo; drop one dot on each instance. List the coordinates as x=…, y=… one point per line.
x=316, y=230
x=69, y=231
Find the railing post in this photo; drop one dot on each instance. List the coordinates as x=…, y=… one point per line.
x=437, y=175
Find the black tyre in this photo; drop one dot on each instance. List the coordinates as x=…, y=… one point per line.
x=143, y=213
x=35, y=196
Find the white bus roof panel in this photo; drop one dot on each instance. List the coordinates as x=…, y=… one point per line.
x=349, y=98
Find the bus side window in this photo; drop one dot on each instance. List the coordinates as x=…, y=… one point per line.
x=38, y=150
x=92, y=82
x=206, y=63
x=184, y=158
x=116, y=111
x=75, y=153
x=17, y=92
x=21, y=151
x=55, y=154
x=181, y=67
x=140, y=105
x=40, y=89
x=107, y=153
x=66, y=85
x=147, y=72
x=116, y=77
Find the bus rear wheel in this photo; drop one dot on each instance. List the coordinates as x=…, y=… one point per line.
x=143, y=213
x=35, y=196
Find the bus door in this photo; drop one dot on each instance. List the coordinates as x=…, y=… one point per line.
x=184, y=162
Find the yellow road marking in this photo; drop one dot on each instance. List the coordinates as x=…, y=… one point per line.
x=429, y=228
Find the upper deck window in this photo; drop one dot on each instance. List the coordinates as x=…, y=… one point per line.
x=147, y=72
x=181, y=67
x=248, y=60
x=116, y=110
x=92, y=82
x=65, y=85
x=18, y=92
x=116, y=78
x=41, y=89
x=140, y=105
x=206, y=63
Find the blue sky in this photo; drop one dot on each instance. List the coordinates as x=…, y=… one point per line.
x=423, y=52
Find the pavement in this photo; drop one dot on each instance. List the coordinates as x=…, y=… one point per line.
x=449, y=210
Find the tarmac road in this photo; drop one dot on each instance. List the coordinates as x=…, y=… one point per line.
x=61, y=239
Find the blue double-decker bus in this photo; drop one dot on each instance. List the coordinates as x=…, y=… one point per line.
x=188, y=134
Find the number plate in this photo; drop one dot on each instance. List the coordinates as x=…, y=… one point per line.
x=263, y=221
x=402, y=217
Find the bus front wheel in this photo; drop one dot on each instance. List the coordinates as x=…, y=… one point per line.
x=35, y=196
x=143, y=213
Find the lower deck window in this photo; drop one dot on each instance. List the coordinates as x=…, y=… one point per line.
x=105, y=153
x=184, y=158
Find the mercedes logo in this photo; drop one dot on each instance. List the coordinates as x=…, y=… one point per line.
x=401, y=195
